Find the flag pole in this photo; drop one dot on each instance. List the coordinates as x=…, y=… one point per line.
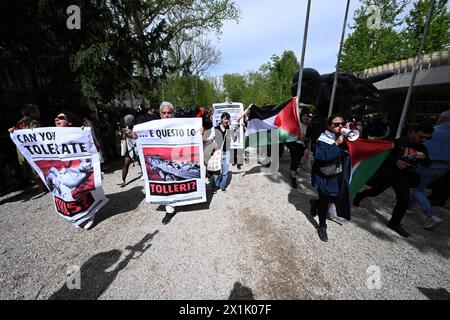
x=302, y=60
x=333, y=93
x=414, y=72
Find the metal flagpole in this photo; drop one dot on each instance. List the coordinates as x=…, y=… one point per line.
x=414, y=72
x=333, y=93
x=302, y=60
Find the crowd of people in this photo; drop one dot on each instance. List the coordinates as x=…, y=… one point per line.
x=419, y=158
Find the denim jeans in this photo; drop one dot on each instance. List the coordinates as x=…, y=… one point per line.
x=220, y=180
x=427, y=175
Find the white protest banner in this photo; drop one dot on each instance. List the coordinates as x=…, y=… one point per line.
x=234, y=109
x=171, y=154
x=67, y=162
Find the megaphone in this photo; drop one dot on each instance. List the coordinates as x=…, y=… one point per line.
x=351, y=134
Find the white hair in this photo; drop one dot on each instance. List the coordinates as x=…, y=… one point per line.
x=444, y=117
x=165, y=104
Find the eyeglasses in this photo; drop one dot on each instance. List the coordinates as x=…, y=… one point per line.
x=337, y=124
x=61, y=118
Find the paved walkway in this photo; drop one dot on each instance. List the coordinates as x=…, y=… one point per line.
x=256, y=241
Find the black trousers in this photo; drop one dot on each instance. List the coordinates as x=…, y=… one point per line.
x=296, y=151
x=401, y=188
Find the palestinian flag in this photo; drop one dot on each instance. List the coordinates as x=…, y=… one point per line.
x=367, y=156
x=282, y=117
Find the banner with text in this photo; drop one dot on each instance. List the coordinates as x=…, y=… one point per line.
x=234, y=109
x=68, y=163
x=171, y=154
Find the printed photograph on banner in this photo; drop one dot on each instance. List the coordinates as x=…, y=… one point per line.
x=168, y=164
x=71, y=182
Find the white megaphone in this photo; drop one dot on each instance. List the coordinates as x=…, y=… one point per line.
x=351, y=134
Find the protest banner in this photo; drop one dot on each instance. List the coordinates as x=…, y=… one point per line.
x=234, y=109
x=171, y=155
x=68, y=163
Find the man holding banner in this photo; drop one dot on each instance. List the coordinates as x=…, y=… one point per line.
x=172, y=153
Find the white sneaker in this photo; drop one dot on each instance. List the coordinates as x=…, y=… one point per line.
x=432, y=222
x=88, y=224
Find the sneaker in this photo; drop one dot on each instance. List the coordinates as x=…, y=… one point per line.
x=294, y=184
x=88, y=224
x=432, y=222
x=214, y=191
x=123, y=184
x=167, y=218
x=398, y=229
x=323, y=234
x=313, y=209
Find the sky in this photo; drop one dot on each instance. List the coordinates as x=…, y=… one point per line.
x=268, y=27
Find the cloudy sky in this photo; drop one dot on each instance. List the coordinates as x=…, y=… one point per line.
x=269, y=27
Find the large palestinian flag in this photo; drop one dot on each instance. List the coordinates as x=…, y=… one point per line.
x=367, y=156
x=282, y=118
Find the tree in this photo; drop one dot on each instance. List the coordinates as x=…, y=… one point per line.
x=372, y=45
x=234, y=85
x=280, y=72
x=438, y=36
x=123, y=45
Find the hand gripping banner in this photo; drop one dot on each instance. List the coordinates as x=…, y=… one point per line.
x=171, y=155
x=68, y=163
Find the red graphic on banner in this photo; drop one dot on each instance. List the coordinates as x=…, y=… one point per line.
x=74, y=207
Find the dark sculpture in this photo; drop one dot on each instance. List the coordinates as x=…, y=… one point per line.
x=354, y=96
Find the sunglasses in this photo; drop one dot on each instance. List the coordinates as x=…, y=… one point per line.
x=61, y=118
x=169, y=112
x=336, y=124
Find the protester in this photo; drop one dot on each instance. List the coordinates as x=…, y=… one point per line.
x=297, y=149
x=223, y=137
x=30, y=120
x=166, y=111
x=440, y=191
x=439, y=151
x=330, y=173
x=130, y=153
x=399, y=172
x=67, y=119
x=91, y=121
x=108, y=137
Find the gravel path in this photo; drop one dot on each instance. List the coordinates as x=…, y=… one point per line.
x=256, y=241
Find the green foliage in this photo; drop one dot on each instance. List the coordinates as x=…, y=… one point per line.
x=396, y=38
x=122, y=46
x=438, y=36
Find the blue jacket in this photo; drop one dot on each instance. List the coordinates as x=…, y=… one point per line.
x=439, y=146
x=326, y=150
